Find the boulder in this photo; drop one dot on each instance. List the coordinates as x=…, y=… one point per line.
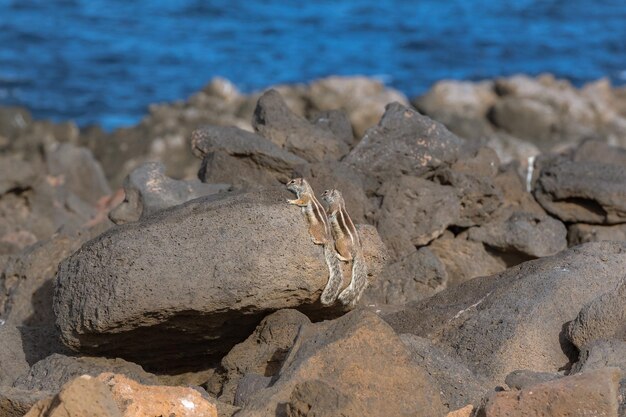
x=595, y=393
x=403, y=143
x=193, y=280
x=601, y=353
x=15, y=402
x=414, y=277
x=515, y=319
x=147, y=190
x=363, y=99
x=524, y=233
x=527, y=119
x=458, y=385
x=414, y=212
x=84, y=396
x=337, y=123
x=356, y=356
x=51, y=373
x=583, y=192
x=276, y=122
x=263, y=352
x=234, y=156
x=524, y=378
x=603, y=317
x=15, y=173
x=317, y=398
x=580, y=233
x=598, y=150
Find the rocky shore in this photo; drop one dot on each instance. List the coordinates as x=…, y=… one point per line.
x=158, y=271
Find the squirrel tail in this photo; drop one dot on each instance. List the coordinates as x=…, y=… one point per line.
x=351, y=295
x=335, y=279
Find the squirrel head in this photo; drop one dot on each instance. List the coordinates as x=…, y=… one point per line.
x=298, y=185
x=333, y=198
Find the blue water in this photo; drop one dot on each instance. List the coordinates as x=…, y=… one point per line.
x=104, y=61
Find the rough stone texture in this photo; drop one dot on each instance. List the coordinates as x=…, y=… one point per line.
x=162, y=293
x=148, y=190
x=414, y=212
x=580, y=233
x=138, y=400
x=583, y=192
x=597, y=150
x=604, y=317
x=523, y=378
x=590, y=394
x=467, y=411
x=318, y=399
x=599, y=354
x=477, y=194
x=79, y=171
x=403, y=143
x=264, y=351
x=464, y=259
x=360, y=356
x=364, y=99
x=249, y=385
x=458, y=385
x=526, y=233
x=515, y=193
x=230, y=153
x=15, y=402
x=337, y=123
x=51, y=373
x=276, y=122
x=84, y=396
x=411, y=278
x=515, y=319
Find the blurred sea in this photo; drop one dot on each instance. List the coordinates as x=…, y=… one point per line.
x=104, y=61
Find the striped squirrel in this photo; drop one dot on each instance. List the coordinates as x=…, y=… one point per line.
x=319, y=229
x=348, y=245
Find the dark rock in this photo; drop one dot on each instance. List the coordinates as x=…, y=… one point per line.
x=403, y=143
x=275, y=121
x=522, y=379
x=248, y=385
x=337, y=123
x=599, y=354
x=580, y=233
x=78, y=171
x=464, y=259
x=527, y=119
x=594, y=393
x=360, y=356
x=15, y=402
x=482, y=162
x=263, y=352
x=411, y=278
x=520, y=232
x=163, y=294
x=598, y=150
x=458, y=385
x=514, y=319
x=254, y=155
x=515, y=193
x=603, y=317
x=414, y=212
x=583, y=192
x=318, y=399
x=478, y=196
x=15, y=173
x=149, y=190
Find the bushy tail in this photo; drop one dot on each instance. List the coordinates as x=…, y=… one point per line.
x=335, y=278
x=351, y=295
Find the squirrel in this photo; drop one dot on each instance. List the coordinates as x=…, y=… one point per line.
x=347, y=244
x=319, y=229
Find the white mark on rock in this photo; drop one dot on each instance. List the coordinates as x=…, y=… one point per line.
x=2, y=322
x=457, y=315
x=529, y=172
x=187, y=404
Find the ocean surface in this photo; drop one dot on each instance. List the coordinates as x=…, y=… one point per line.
x=104, y=61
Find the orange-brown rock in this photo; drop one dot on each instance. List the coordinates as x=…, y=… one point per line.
x=588, y=394
x=137, y=400
x=462, y=412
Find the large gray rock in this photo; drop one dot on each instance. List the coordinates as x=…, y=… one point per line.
x=515, y=319
x=359, y=356
x=234, y=156
x=604, y=317
x=583, y=192
x=601, y=353
x=580, y=233
x=51, y=373
x=415, y=211
x=149, y=190
x=521, y=232
x=276, y=122
x=191, y=281
x=403, y=143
